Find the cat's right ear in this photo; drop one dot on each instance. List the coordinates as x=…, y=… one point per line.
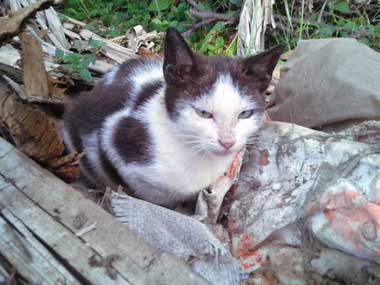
x=179, y=60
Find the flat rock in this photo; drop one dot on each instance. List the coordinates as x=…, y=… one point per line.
x=328, y=82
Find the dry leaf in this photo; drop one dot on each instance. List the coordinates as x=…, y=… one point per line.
x=69, y=173
x=70, y=159
x=54, y=90
x=66, y=167
x=33, y=131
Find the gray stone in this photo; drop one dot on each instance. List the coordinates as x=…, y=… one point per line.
x=328, y=82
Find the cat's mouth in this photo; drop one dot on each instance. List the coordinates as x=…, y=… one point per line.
x=223, y=152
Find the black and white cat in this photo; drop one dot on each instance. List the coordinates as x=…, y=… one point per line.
x=166, y=129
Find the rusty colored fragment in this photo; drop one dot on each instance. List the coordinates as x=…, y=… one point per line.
x=264, y=157
x=34, y=74
x=33, y=131
x=66, y=167
x=11, y=25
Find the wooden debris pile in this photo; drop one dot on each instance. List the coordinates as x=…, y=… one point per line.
x=45, y=57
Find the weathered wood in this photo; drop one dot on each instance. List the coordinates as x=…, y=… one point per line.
x=60, y=240
x=11, y=25
x=34, y=74
x=23, y=250
x=113, y=51
x=4, y=275
x=50, y=199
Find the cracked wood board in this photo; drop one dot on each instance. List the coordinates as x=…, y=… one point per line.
x=33, y=260
x=59, y=240
x=49, y=208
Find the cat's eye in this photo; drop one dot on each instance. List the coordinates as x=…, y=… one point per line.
x=203, y=113
x=246, y=114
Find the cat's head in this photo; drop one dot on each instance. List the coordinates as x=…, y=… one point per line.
x=216, y=103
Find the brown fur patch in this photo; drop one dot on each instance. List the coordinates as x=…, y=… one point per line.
x=132, y=141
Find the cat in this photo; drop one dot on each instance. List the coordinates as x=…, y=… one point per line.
x=167, y=128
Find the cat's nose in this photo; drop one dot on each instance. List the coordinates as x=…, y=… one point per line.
x=227, y=144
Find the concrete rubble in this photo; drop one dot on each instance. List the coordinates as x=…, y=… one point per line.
x=306, y=207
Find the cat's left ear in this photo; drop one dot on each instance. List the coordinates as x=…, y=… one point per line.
x=261, y=65
x=179, y=60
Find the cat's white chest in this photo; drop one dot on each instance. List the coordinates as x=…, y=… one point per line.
x=177, y=171
x=176, y=174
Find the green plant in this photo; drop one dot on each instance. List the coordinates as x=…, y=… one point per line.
x=335, y=18
x=77, y=63
x=114, y=18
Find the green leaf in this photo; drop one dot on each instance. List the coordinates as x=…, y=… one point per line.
x=87, y=59
x=350, y=26
x=215, y=30
x=59, y=54
x=232, y=48
x=342, y=7
x=84, y=74
x=364, y=41
x=78, y=45
x=210, y=47
x=159, y=5
x=326, y=32
x=219, y=42
x=374, y=29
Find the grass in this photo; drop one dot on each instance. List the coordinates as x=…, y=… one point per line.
x=114, y=18
x=326, y=19
x=296, y=20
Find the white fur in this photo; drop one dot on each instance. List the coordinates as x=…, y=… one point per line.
x=225, y=101
x=186, y=154
x=145, y=74
x=177, y=172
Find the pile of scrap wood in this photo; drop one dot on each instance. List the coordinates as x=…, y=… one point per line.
x=49, y=233
x=44, y=57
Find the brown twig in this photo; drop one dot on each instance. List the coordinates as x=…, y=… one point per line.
x=197, y=26
x=194, y=4
x=202, y=14
x=208, y=17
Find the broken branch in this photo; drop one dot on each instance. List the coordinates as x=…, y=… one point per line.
x=208, y=17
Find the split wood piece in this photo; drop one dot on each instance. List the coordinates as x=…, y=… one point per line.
x=114, y=51
x=20, y=247
x=50, y=209
x=34, y=74
x=5, y=277
x=73, y=21
x=101, y=66
x=12, y=72
x=11, y=25
x=46, y=23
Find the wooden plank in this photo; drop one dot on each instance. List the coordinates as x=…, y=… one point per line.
x=26, y=253
x=138, y=262
x=4, y=275
x=113, y=51
x=33, y=68
x=61, y=241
